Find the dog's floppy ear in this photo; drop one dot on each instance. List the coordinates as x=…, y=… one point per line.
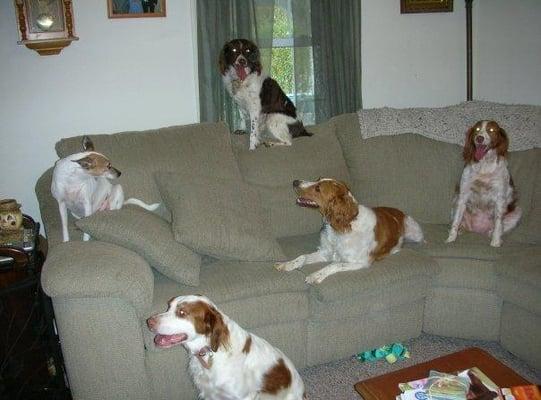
x=258, y=67
x=469, y=146
x=340, y=211
x=221, y=60
x=257, y=64
x=87, y=144
x=502, y=143
x=86, y=162
x=216, y=328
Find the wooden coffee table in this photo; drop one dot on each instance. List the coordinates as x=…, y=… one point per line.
x=385, y=387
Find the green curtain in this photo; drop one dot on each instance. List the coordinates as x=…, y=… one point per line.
x=336, y=41
x=219, y=21
x=285, y=31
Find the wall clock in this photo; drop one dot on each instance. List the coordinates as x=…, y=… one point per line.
x=45, y=26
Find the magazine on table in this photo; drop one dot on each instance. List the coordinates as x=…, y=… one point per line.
x=470, y=384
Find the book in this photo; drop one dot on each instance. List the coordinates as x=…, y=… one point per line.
x=527, y=392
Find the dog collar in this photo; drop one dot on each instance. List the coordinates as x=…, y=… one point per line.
x=202, y=353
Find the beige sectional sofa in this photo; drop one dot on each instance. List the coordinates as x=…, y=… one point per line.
x=102, y=292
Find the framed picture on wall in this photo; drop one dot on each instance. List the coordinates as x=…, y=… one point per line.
x=135, y=8
x=425, y=6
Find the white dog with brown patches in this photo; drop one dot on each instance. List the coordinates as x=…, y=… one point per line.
x=486, y=200
x=81, y=184
x=226, y=362
x=353, y=236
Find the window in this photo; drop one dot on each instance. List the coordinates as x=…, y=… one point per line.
x=290, y=56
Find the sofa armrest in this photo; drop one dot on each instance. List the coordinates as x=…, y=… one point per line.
x=96, y=269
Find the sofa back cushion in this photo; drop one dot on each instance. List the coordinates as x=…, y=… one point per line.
x=409, y=172
x=526, y=171
x=416, y=174
x=271, y=172
x=205, y=147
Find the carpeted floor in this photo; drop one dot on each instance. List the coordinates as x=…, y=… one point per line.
x=335, y=380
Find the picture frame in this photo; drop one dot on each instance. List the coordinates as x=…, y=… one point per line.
x=425, y=6
x=136, y=8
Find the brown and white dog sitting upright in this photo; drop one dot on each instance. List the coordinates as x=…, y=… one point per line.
x=486, y=201
x=353, y=236
x=258, y=96
x=226, y=362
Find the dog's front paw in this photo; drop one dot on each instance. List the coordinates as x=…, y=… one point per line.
x=289, y=265
x=315, y=278
x=240, y=132
x=496, y=242
x=451, y=238
x=254, y=146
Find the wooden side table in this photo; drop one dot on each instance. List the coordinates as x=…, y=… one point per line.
x=385, y=387
x=31, y=364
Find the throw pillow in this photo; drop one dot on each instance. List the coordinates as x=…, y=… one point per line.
x=149, y=236
x=218, y=217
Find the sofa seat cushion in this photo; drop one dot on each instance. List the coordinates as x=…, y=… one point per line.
x=252, y=294
x=406, y=265
x=467, y=245
x=272, y=171
x=519, y=278
x=397, y=271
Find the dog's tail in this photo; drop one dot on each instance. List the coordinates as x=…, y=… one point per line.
x=137, y=202
x=297, y=129
x=412, y=230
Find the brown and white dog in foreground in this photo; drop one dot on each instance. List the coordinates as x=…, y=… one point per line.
x=226, y=362
x=353, y=236
x=486, y=201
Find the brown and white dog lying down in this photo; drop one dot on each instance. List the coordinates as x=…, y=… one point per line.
x=486, y=199
x=353, y=236
x=226, y=362
x=258, y=96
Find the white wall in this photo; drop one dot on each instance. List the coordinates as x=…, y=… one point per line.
x=412, y=60
x=420, y=59
x=507, y=64
x=122, y=74
x=141, y=73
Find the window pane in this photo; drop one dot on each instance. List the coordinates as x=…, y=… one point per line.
x=283, y=20
x=282, y=69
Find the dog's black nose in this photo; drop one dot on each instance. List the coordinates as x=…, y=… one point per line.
x=296, y=183
x=242, y=61
x=479, y=139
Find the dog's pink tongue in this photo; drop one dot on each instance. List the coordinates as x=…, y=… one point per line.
x=480, y=152
x=241, y=72
x=169, y=340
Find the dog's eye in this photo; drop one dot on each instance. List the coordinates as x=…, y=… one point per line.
x=477, y=129
x=317, y=188
x=248, y=50
x=491, y=129
x=234, y=50
x=182, y=313
x=109, y=166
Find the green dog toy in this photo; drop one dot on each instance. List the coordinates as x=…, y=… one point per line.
x=391, y=353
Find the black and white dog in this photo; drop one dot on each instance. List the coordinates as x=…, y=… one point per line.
x=259, y=97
